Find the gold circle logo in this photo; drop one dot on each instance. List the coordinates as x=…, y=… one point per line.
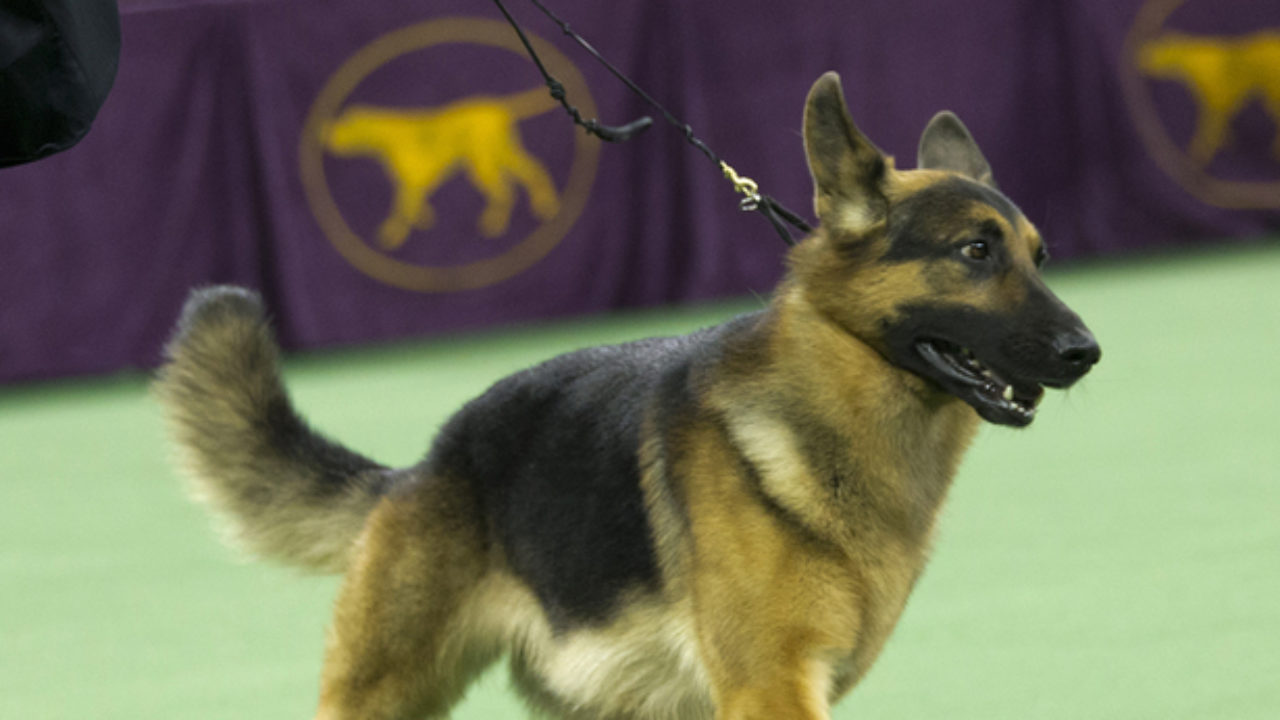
x=1222, y=75
x=456, y=166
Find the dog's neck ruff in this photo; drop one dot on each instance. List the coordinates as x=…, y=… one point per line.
x=898, y=455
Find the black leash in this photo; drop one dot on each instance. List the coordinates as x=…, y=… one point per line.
x=753, y=200
x=604, y=132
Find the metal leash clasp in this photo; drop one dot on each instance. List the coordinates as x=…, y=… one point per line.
x=744, y=185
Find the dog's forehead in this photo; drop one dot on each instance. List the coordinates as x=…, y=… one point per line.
x=952, y=202
x=929, y=211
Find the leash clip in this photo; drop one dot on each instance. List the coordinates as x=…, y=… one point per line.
x=744, y=185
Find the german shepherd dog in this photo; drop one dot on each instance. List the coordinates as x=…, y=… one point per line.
x=721, y=525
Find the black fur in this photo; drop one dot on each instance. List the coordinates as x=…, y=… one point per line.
x=1020, y=344
x=552, y=453
x=918, y=223
x=553, y=456
x=332, y=464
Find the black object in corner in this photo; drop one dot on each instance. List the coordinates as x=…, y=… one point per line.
x=58, y=60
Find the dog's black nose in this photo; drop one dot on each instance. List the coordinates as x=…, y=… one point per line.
x=1078, y=350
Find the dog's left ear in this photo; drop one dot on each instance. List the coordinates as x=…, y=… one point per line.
x=947, y=145
x=848, y=171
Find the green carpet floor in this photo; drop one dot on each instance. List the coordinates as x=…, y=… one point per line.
x=1118, y=560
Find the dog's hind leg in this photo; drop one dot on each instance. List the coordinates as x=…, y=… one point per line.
x=396, y=650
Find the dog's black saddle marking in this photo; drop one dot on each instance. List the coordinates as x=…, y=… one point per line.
x=552, y=454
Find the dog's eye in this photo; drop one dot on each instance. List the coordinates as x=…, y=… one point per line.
x=1042, y=256
x=976, y=250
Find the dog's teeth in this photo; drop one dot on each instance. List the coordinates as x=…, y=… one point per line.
x=1008, y=393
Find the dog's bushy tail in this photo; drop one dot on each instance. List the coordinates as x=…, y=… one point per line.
x=283, y=491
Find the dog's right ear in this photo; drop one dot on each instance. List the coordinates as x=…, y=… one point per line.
x=848, y=171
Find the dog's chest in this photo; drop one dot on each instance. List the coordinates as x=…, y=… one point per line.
x=886, y=574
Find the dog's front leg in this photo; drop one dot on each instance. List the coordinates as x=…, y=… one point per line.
x=774, y=610
x=793, y=693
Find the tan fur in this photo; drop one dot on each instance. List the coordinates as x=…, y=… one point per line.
x=901, y=185
x=390, y=650
x=870, y=545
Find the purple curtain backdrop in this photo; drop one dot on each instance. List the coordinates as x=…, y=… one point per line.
x=216, y=158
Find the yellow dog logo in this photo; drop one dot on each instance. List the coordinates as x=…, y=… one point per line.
x=421, y=149
x=1223, y=74
x=442, y=137
x=1228, y=74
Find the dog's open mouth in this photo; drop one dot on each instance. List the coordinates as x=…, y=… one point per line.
x=961, y=373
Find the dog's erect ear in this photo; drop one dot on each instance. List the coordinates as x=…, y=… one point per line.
x=947, y=145
x=848, y=171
